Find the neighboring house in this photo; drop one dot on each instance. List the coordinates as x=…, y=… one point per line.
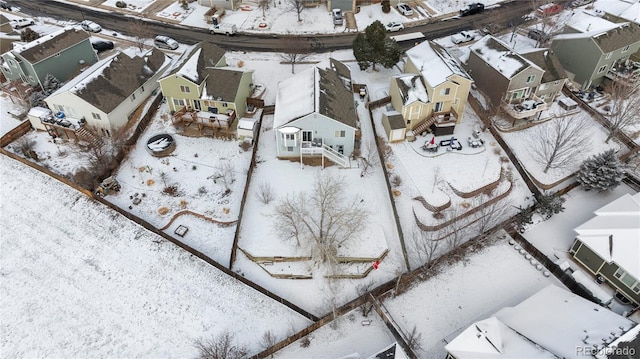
x=315, y=115
x=619, y=10
x=589, y=58
x=553, y=323
x=513, y=81
x=7, y=34
x=62, y=54
x=226, y=4
x=608, y=246
x=393, y=351
x=205, y=90
x=432, y=92
x=105, y=96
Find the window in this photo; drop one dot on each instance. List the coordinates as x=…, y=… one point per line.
x=289, y=136
x=531, y=78
x=438, y=107
x=185, y=89
x=602, y=69
x=95, y=116
x=340, y=133
x=445, y=91
x=307, y=135
x=224, y=104
x=177, y=102
x=290, y=149
x=625, y=278
x=636, y=288
x=625, y=49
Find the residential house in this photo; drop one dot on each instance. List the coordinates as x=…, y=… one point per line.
x=225, y=4
x=393, y=351
x=513, y=81
x=315, y=115
x=206, y=91
x=433, y=90
x=619, y=10
x=608, y=246
x=590, y=58
x=62, y=54
x=105, y=96
x=7, y=34
x=553, y=323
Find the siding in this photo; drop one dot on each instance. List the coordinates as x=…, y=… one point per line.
x=487, y=79
x=171, y=90
x=68, y=64
x=589, y=258
x=578, y=56
x=322, y=127
x=607, y=271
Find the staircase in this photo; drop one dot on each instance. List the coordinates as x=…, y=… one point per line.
x=424, y=125
x=86, y=135
x=335, y=156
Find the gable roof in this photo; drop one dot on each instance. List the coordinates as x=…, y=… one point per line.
x=499, y=56
x=582, y=21
x=49, y=45
x=193, y=64
x=222, y=83
x=547, y=60
x=435, y=64
x=340, y=68
x=613, y=233
x=613, y=39
x=210, y=55
x=412, y=89
x=314, y=90
x=625, y=9
x=107, y=83
x=560, y=321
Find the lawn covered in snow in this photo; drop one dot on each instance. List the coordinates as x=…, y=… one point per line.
x=79, y=280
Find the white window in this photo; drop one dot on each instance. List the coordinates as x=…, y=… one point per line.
x=95, y=116
x=608, y=55
x=625, y=278
x=185, y=89
x=178, y=102
x=290, y=136
x=602, y=69
x=625, y=49
x=340, y=133
x=438, y=107
x=531, y=78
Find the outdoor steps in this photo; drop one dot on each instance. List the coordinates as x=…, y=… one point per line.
x=335, y=156
x=84, y=134
x=424, y=125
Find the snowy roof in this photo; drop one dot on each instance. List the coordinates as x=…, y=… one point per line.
x=314, y=90
x=499, y=56
x=613, y=233
x=560, y=321
x=246, y=123
x=490, y=338
x=222, y=83
x=190, y=68
x=548, y=61
x=435, y=64
x=393, y=351
x=51, y=44
x=39, y=111
x=625, y=9
x=610, y=40
x=412, y=89
x=585, y=22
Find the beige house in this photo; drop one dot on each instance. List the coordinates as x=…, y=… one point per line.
x=433, y=90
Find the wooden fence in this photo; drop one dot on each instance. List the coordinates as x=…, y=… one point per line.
x=15, y=133
x=486, y=188
x=431, y=207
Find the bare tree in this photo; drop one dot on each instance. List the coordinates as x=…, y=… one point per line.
x=295, y=51
x=264, y=5
x=556, y=143
x=490, y=214
x=414, y=338
x=268, y=340
x=369, y=157
x=322, y=220
x=455, y=233
x=222, y=346
x=297, y=6
x=265, y=193
x=366, y=306
x=425, y=245
x=437, y=177
x=225, y=171
x=141, y=30
x=625, y=108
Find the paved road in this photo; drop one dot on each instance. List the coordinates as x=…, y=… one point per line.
x=503, y=16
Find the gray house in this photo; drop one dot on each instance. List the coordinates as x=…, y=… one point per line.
x=315, y=116
x=508, y=79
x=62, y=54
x=590, y=58
x=554, y=76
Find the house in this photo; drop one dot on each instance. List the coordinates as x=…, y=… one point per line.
x=608, y=246
x=105, y=96
x=62, y=54
x=619, y=10
x=315, y=115
x=513, y=81
x=7, y=34
x=590, y=58
x=225, y=4
x=432, y=92
x=393, y=351
x=205, y=91
x=553, y=323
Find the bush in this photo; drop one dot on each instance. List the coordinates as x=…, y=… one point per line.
x=265, y=193
x=305, y=342
x=386, y=6
x=396, y=180
x=172, y=191
x=245, y=145
x=121, y=4
x=28, y=35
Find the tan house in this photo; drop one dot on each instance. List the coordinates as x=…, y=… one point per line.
x=433, y=90
x=204, y=90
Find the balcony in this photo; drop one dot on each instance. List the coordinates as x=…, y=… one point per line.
x=626, y=72
x=525, y=108
x=202, y=120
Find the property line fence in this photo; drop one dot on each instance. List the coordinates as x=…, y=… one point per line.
x=393, y=327
x=15, y=133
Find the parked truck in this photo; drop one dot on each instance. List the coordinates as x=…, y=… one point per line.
x=226, y=29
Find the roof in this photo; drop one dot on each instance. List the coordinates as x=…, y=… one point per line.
x=246, y=123
x=412, y=89
x=210, y=55
x=340, y=68
x=613, y=233
x=547, y=60
x=560, y=321
x=222, y=83
x=435, y=64
x=49, y=45
x=584, y=22
x=393, y=351
x=628, y=10
x=195, y=63
x=490, y=338
x=108, y=82
x=613, y=39
x=499, y=56
x=396, y=121
x=314, y=90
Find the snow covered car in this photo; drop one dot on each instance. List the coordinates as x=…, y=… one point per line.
x=88, y=25
x=394, y=26
x=165, y=42
x=462, y=36
x=24, y=22
x=404, y=9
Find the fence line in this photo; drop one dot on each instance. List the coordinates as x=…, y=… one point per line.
x=15, y=133
x=393, y=327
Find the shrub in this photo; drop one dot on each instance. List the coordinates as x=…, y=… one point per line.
x=305, y=342
x=245, y=145
x=172, y=191
x=396, y=180
x=386, y=6
x=121, y=4
x=265, y=193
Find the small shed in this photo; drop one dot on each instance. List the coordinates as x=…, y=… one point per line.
x=37, y=115
x=567, y=104
x=247, y=128
x=394, y=126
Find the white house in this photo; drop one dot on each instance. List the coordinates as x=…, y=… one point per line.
x=106, y=95
x=315, y=115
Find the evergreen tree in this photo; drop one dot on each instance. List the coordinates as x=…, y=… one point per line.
x=50, y=84
x=549, y=204
x=386, y=6
x=373, y=47
x=28, y=35
x=601, y=172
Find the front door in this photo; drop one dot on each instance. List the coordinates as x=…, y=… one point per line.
x=196, y=105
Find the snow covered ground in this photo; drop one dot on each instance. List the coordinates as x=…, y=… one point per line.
x=79, y=280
